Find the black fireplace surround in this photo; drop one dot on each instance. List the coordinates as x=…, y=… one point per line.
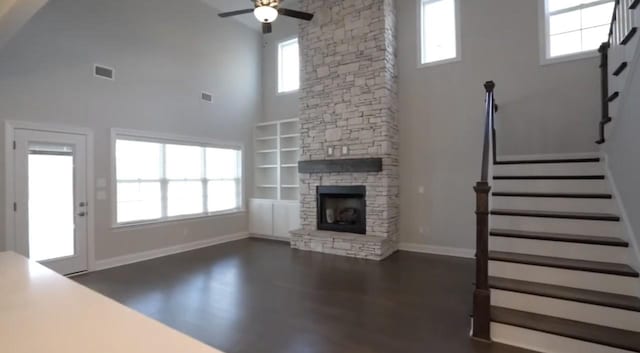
x=342, y=208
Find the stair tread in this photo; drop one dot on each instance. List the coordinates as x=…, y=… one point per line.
x=552, y=195
x=613, y=300
x=549, y=177
x=550, y=161
x=567, y=264
x=563, y=237
x=603, y=335
x=557, y=214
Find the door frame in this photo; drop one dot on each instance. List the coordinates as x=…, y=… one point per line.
x=10, y=127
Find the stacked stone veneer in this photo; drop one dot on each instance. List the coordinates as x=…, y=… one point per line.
x=348, y=98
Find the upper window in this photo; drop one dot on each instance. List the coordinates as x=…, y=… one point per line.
x=288, y=66
x=573, y=27
x=439, y=31
x=156, y=180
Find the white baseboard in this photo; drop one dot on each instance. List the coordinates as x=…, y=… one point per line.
x=152, y=254
x=270, y=237
x=438, y=250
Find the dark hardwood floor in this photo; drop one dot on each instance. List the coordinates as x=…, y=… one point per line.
x=260, y=296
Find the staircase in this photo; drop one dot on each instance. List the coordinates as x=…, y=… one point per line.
x=559, y=268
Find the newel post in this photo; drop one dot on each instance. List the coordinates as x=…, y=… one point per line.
x=481, y=294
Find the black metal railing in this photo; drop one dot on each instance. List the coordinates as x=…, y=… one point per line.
x=621, y=31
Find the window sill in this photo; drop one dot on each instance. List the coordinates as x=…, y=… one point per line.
x=568, y=58
x=287, y=93
x=177, y=219
x=439, y=62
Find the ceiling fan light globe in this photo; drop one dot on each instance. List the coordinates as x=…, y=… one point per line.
x=266, y=14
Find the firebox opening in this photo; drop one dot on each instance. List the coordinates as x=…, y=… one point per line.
x=342, y=208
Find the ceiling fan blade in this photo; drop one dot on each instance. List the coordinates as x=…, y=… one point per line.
x=235, y=13
x=296, y=14
x=266, y=28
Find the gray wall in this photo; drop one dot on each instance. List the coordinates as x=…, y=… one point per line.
x=543, y=109
x=277, y=106
x=623, y=151
x=164, y=52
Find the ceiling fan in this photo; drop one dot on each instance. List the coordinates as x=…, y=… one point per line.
x=266, y=11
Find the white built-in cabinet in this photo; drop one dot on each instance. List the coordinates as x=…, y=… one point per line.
x=273, y=218
x=275, y=209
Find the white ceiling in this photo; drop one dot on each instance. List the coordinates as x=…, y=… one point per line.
x=248, y=19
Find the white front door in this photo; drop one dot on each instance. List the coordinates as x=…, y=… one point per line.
x=50, y=185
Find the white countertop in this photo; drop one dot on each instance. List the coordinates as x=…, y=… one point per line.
x=44, y=312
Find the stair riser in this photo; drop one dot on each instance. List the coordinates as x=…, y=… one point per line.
x=558, y=225
x=566, y=186
x=566, y=309
x=544, y=342
x=560, y=249
x=568, y=278
x=549, y=169
x=554, y=204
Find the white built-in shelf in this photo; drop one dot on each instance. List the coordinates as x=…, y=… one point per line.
x=276, y=172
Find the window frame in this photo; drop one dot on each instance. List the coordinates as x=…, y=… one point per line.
x=544, y=37
x=279, y=70
x=161, y=138
x=458, y=26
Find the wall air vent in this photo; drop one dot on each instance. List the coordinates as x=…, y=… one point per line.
x=103, y=72
x=207, y=97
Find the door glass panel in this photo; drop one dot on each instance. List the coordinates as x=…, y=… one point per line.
x=51, y=202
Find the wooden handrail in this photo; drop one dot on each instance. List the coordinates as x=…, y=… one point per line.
x=604, y=90
x=481, y=293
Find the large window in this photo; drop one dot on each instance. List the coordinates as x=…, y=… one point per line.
x=288, y=66
x=575, y=27
x=158, y=180
x=439, y=31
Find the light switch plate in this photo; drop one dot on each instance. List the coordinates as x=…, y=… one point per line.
x=345, y=150
x=329, y=151
x=101, y=183
x=101, y=195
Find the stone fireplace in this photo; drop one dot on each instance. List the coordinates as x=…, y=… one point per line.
x=349, y=131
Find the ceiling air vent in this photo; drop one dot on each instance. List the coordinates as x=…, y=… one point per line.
x=103, y=72
x=207, y=97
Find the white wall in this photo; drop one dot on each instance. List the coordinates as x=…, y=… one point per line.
x=543, y=109
x=164, y=53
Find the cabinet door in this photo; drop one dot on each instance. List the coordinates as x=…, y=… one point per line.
x=286, y=217
x=261, y=217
